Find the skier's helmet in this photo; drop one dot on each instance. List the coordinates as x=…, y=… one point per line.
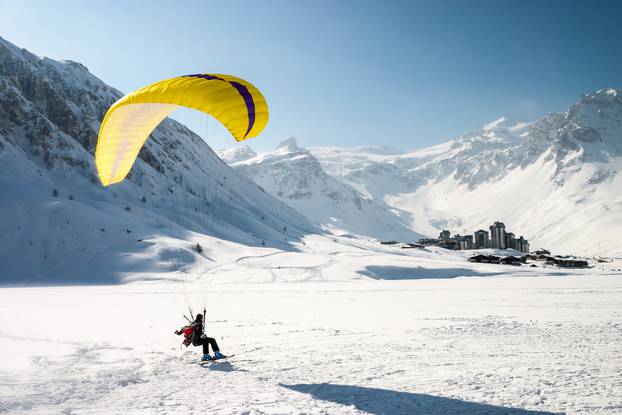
x=199, y=317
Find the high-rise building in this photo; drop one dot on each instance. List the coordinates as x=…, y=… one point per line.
x=497, y=235
x=481, y=239
x=510, y=241
x=498, y=239
x=522, y=245
x=469, y=241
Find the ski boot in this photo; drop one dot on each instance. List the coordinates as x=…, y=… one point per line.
x=206, y=357
x=218, y=355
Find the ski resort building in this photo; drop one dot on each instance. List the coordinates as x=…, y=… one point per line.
x=445, y=240
x=499, y=239
x=497, y=235
x=519, y=244
x=522, y=245
x=464, y=242
x=481, y=239
x=510, y=240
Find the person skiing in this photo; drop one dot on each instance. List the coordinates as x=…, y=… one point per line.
x=194, y=333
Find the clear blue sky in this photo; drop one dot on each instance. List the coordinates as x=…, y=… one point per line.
x=404, y=74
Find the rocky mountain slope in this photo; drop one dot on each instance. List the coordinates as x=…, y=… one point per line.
x=295, y=176
x=59, y=223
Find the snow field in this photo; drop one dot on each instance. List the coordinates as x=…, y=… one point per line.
x=498, y=340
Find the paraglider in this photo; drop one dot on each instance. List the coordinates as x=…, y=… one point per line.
x=236, y=103
x=194, y=334
x=127, y=125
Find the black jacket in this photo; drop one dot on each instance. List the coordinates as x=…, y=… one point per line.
x=198, y=332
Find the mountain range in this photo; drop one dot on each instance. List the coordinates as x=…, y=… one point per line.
x=297, y=177
x=555, y=180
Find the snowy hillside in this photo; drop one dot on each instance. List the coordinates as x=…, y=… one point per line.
x=59, y=223
x=556, y=180
x=295, y=176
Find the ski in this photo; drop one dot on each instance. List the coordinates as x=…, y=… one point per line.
x=202, y=362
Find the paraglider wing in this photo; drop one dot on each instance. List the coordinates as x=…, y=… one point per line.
x=237, y=104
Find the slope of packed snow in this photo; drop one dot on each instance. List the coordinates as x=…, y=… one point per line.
x=344, y=327
x=555, y=180
x=58, y=223
x=295, y=176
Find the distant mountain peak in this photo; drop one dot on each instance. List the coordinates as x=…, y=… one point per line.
x=289, y=145
x=611, y=91
x=614, y=92
x=609, y=99
x=504, y=123
x=500, y=122
x=236, y=154
x=381, y=150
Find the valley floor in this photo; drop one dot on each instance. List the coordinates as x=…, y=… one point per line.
x=515, y=341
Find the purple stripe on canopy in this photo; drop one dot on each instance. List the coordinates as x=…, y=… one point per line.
x=242, y=90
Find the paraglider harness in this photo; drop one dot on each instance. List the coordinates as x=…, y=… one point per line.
x=188, y=332
x=192, y=332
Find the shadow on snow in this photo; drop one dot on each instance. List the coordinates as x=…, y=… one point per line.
x=388, y=272
x=384, y=401
x=222, y=367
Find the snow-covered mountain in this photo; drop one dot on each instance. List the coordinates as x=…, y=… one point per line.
x=58, y=222
x=555, y=180
x=295, y=176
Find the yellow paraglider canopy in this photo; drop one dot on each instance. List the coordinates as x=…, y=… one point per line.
x=237, y=104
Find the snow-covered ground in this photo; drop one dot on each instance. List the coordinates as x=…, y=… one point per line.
x=345, y=326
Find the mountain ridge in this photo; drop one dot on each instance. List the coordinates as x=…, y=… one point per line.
x=567, y=162
x=178, y=193
x=295, y=176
